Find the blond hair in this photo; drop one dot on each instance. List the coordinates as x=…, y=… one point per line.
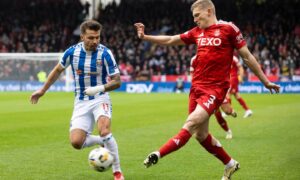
x=204, y=4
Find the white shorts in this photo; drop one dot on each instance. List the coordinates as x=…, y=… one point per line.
x=86, y=113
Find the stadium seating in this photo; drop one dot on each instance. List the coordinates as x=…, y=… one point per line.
x=48, y=26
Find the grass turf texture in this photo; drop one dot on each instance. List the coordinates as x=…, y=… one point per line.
x=34, y=140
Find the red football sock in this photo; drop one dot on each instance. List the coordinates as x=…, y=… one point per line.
x=243, y=103
x=221, y=120
x=216, y=150
x=175, y=143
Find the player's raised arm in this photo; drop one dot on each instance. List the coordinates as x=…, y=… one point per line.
x=158, y=39
x=53, y=76
x=251, y=62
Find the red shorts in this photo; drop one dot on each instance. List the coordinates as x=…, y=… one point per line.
x=209, y=98
x=234, y=85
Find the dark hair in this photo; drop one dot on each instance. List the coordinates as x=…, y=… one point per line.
x=91, y=25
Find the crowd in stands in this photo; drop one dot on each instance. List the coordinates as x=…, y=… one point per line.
x=272, y=34
x=38, y=26
x=35, y=26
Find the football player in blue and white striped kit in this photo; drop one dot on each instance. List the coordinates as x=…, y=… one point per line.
x=91, y=63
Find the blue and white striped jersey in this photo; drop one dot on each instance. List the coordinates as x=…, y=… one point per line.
x=90, y=68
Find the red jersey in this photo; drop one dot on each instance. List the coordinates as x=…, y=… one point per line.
x=234, y=68
x=215, y=46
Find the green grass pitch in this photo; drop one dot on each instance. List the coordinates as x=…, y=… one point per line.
x=34, y=140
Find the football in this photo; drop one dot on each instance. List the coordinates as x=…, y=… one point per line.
x=100, y=159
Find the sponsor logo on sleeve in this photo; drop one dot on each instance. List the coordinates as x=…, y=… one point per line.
x=239, y=38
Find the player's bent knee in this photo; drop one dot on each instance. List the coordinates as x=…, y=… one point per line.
x=104, y=132
x=201, y=136
x=77, y=138
x=77, y=144
x=191, y=126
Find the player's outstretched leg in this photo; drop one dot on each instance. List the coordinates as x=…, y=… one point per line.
x=173, y=144
x=151, y=159
x=229, y=170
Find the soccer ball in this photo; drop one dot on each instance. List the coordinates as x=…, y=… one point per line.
x=100, y=159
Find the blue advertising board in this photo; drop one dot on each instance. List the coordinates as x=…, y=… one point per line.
x=147, y=87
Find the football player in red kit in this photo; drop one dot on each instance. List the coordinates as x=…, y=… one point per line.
x=225, y=106
x=216, y=41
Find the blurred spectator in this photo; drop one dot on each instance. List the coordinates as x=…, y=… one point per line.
x=42, y=76
x=38, y=26
x=143, y=74
x=179, y=87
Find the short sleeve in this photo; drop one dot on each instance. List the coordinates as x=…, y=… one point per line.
x=188, y=37
x=65, y=58
x=237, y=37
x=110, y=63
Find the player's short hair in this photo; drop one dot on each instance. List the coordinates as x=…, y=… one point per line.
x=203, y=4
x=91, y=25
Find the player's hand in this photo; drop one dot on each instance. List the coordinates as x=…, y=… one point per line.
x=140, y=28
x=92, y=91
x=34, y=98
x=272, y=87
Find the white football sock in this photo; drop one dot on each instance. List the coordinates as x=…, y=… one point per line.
x=91, y=140
x=111, y=144
x=230, y=163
